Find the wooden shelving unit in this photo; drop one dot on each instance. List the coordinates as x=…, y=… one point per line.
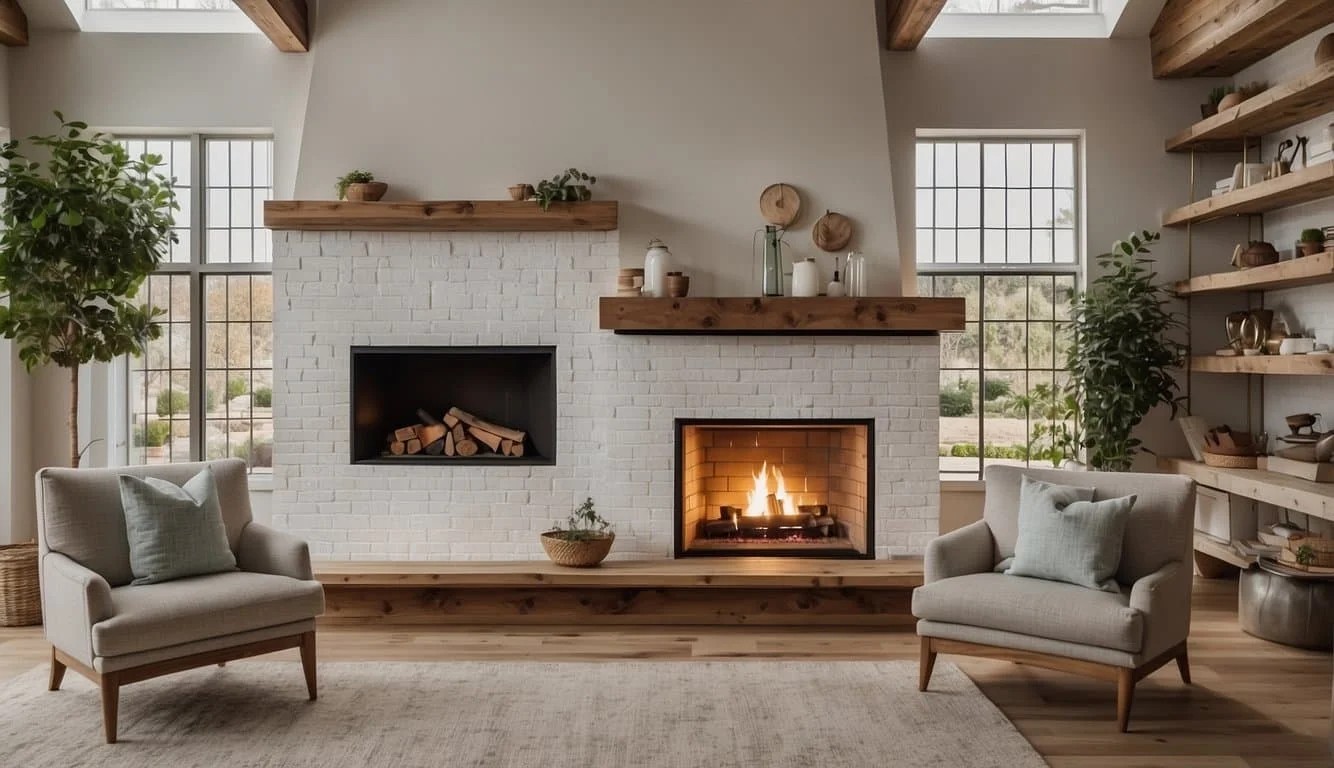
x=783, y=315
x=441, y=216
x=1294, y=493
x=1301, y=186
x=1221, y=551
x=1282, y=106
x=1269, y=365
x=1307, y=270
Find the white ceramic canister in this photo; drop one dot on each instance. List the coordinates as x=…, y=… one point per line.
x=657, y=262
x=805, y=278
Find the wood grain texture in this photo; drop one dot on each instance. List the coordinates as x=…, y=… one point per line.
x=782, y=315
x=909, y=20
x=1282, y=106
x=1215, y=38
x=1303, y=496
x=13, y=24
x=285, y=22
x=1308, y=270
x=441, y=216
x=1254, y=704
x=1301, y=186
x=1268, y=365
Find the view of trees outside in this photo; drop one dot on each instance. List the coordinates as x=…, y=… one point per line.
x=1021, y=6
x=231, y=327
x=996, y=225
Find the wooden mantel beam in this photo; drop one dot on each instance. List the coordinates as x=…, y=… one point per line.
x=285, y=22
x=1218, y=38
x=13, y=24
x=909, y=20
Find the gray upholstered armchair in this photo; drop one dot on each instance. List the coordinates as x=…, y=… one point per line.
x=115, y=634
x=967, y=607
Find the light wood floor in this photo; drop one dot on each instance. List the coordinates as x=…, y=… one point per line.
x=1254, y=704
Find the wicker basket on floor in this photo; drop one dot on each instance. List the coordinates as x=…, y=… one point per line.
x=585, y=553
x=20, y=592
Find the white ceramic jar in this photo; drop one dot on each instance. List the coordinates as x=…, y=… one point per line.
x=806, y=278
x=657, y=262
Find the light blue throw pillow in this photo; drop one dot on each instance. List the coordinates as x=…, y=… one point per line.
x=174, y=531
x=1066, y=536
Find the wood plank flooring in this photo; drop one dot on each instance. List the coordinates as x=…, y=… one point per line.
x=1254, y=704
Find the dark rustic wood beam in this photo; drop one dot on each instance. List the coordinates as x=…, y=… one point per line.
x=285, y=22
x=13, y=24
x=909, y=20
x=1218, y=38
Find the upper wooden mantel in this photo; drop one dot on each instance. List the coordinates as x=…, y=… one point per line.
x=441, y=216
x=783, y=315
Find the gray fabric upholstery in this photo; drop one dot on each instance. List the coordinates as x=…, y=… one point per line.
x=80, y=513
x=960, y=552
x=73, y=600
x=994, y=637
x=185, y=610
x=1064, y=537
x=130, y=661
x=1049, y=609
x=174, y=531
x=264, y=550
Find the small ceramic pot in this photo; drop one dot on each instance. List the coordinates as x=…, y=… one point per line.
x=521, y=191
x=368, y=192
x=1229, y=101
x=1311, y=249
x=677, y=285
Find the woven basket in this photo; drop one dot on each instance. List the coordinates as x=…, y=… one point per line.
x=20, y=592
x=1226, y=461
x=577, y=554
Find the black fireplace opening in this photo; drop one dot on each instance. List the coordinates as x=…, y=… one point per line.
x=505, y=394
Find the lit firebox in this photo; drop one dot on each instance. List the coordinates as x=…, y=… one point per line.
x=772, y=514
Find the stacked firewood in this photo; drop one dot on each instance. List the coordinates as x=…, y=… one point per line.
x=456, y=434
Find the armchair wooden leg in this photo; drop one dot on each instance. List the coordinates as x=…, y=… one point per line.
x=110, y=704
x=925, y=665
x=308, y=663
x=57, y=672
x=1125, y=697
x=1183, y=666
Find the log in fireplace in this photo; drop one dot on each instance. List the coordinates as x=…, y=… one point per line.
x=792, y=487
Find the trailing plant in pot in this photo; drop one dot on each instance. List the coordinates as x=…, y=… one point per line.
x=360, y=186
x=562, y=188
x=1123, y=353
x=583, y=540
x=82, y=231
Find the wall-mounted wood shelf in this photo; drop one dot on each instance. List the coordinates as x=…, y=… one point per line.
x=1295, y=188
x=782, y=315
x=1221, y=551
x=1307, y=270
x=1289, y=365
x=1282, y=106
x=441, y=216
x=1280, y=490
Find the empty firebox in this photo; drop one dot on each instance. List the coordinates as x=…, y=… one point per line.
x=792, y=487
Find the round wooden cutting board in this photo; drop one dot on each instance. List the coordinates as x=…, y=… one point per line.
x=832, y=232
x=780, y=204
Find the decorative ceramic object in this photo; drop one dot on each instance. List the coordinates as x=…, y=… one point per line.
x=806, y=278
x=1229, y=101
x=367, y=192
x=677, y=285
x=835, y=288
x=1296, y=345
x=521, y=191
x=1257, y=254
x=1324, y=50
x=656, y=264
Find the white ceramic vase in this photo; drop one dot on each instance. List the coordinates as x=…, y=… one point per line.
x=657, y=262
x=806, y=278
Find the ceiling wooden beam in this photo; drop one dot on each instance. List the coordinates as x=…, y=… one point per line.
x=285, y=22
x=13, y=24
x=909, y=20
x=1218, y=38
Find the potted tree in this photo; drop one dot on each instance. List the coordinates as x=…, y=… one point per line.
x=1123, y=353
x=582, y=541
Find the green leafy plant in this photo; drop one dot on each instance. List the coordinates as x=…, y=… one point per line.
x=172, y=401
x=559, y=188
x=1054, y=414
x=1305, y=555
x=1216, y=95
x=256, y=453
x=955, y=401
x=1123, y=353
x=583, y=524
x=350, y=178
x=993, y=389
x=1313, y=236
x=82, y=231
x=237, y=387
x=263, y=397
x=155, y=435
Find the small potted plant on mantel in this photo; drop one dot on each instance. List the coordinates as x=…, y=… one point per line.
x=570, y=186
x=582, y=541
x=360, y=186
x=1312, y=242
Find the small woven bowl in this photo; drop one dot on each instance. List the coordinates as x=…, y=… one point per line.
x=588, y=553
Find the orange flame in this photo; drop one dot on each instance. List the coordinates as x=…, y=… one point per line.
x=757, y=504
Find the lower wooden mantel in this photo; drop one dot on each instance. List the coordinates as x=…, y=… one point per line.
x=783, y=315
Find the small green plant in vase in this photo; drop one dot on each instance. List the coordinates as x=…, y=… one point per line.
x=360, y=186
x=1312, y=242
x=571, y=186
x=1305, y=555
x=582, y=540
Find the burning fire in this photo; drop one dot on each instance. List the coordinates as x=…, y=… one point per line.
x=763, y=502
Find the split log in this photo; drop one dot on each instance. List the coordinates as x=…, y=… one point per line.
x=506, y=446
x=473, y=421
x=449, y=444
x=516, y=450
x=459, y=435
x=406, y=433
x=397, y=447
x=427, y=418
x=434, y=448
x=413, y=446
x=430, y=433
x=491, y=441
x=466, y=447
x=451, y=420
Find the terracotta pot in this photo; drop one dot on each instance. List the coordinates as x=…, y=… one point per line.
x=677, y=285
x=368, y=192
x=1311, y=249
x=1324, y=51
x=521, y=191
x=1229, y=101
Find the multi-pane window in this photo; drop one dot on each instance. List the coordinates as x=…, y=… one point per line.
x=997, y=224
x=1021, y=6
x=205, y=388
x=160, y=5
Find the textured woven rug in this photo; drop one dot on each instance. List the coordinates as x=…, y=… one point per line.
x=520, y=715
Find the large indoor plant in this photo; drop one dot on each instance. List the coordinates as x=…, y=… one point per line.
x=1123, y=353
x=84, y=227
x=582, y=541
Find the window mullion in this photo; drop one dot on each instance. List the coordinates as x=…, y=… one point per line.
x=198, y=192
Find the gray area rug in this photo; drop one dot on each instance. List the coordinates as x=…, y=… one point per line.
x=520, y=715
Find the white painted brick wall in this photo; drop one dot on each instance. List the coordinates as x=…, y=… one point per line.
x=618, y=397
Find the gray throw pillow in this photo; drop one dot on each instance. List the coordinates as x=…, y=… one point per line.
x=1065, y=536
x=174, y=531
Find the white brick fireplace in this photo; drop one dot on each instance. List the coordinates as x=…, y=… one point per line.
x=617, y=397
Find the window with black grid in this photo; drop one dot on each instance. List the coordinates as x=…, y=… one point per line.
x=997, y=224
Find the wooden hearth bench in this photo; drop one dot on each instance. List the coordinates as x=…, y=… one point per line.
x=761, y=591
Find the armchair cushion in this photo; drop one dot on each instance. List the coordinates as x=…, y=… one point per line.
x=1035, y=607
x=173, y=530
x=1067, y=538
x=172, y=613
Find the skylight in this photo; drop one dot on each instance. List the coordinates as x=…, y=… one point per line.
x=160, y=5
x=1020, y=7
